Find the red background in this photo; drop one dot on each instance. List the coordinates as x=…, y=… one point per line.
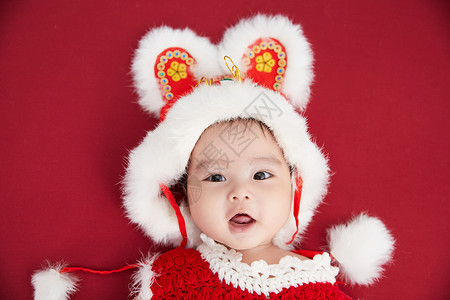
x=68, y=117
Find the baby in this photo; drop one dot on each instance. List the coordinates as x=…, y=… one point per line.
x=230, y=176
x=240, y=192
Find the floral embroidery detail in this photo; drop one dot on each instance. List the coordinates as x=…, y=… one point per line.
x=169, y=96
x=161, y=74
x=160, y=66
x=172, y=70
x=177, y=71
x=265, y=62
x=189, y=61
x=280, y=70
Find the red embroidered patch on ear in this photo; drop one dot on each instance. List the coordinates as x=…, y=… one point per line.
x=173, y=70
x=266, y=62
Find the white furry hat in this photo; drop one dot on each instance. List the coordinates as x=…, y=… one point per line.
x=276, y=62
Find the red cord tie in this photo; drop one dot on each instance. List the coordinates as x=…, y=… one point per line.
x=297, y=198
x=74, y=269
x=173, y=203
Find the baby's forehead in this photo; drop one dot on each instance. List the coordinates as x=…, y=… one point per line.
x=236, y=129
x=236, y=139
x=234, y=135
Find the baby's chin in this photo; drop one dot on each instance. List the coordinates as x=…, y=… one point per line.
x=241, y=244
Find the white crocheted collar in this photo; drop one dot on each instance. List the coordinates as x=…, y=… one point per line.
x=261, y=277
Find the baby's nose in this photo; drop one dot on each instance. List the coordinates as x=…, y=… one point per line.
x=240, y=192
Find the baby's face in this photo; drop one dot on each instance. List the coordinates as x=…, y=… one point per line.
x=239, y=185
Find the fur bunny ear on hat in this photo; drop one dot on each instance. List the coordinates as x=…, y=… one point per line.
x=168, y=64
x=273, y=52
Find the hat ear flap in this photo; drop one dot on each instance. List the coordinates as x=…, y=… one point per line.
x=168, y=64
x=273, y=52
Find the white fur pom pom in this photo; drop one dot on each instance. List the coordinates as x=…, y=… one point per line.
x=361, y=247
x=50, y=284
x=143, y=279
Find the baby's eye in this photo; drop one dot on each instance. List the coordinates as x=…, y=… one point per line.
x=216, y=178
x=262, y=175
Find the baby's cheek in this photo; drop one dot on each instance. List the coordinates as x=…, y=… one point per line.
x=198, y=215
x=203, y=205
x=279, y=203
x=194, y=190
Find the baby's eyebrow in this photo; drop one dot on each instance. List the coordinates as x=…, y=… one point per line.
x=205, y=164
x=268, y=159
x=201, y=164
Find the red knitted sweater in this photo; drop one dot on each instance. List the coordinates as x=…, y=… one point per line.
x=184, y=274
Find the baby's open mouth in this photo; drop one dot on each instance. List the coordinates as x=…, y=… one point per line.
x=242, y=219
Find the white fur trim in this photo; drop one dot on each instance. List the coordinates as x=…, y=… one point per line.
x=361, y=247
x=50, y=284
x=156, y=41
x=299, y=71
x=164, y=153
x=143, y=279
